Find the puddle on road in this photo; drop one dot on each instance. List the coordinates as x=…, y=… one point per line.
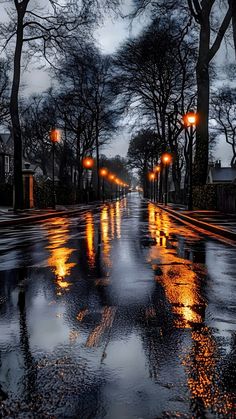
x=119, y=312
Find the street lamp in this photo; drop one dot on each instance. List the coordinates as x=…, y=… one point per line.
x=151, y=177
x=88, y=163
x=103, y=173
x=190, y=120
x=166, y=159
x=54, y=137
x=157, y=170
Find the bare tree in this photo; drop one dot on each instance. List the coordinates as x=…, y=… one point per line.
x=4, y=91
x=38, y=29
x=85, y=75
x=37, y=118
x=212, y=32
x=160, y=82
x=143, y=153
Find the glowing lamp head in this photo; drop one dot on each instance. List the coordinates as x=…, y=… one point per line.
x=88, y=162
x=111, y=177
x=157, y=169
x=166, y=158
x=190, y=119
x=55, y=135
x=151, y=176
x=103, y=172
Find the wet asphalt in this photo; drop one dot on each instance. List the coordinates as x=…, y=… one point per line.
x=117, y=313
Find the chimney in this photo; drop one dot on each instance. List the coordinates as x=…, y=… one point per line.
x=218, y=164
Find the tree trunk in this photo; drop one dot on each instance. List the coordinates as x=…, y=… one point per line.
x=202, y=132
x=98, y=164
x=15, y=120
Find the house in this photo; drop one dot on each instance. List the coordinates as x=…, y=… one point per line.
x=6, y=157
x=218, y=174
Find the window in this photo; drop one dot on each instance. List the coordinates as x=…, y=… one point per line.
x=7, y=164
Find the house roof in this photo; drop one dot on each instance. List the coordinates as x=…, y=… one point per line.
x=4, y=137
x=223, y=174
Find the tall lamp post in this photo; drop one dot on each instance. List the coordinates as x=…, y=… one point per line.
x=88, y=163
x=166, y=159
x=190, y=121
x=103, y=173
x=157, y=170
x=54, y=137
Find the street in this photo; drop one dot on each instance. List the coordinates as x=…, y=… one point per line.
x=117, y=313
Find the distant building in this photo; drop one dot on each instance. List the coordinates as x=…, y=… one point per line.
x=6, y=157
x=218, y=174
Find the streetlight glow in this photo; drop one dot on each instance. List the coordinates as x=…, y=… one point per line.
x=190, y=119
x=151, y=176
x=157, y=169
x=88, y=162
x=103, y=172
x=166, y=158
x=55, y=135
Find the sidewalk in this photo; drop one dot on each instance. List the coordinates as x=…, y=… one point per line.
x=220, y=224
x=9, y=218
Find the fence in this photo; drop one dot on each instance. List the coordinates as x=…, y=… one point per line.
x=220, y=197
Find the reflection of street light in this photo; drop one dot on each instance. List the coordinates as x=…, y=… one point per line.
x=157, y=170
x=88, y=163
x=190, y=120
x=151, y=177
x=117, y=181
x=103, y=173
x=166, y=159
x=54, y=137
x=111, y=177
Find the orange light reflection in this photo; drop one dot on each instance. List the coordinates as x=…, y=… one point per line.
x=90, y=238
x=178, y=279
x=59, y=254
x=105, y=236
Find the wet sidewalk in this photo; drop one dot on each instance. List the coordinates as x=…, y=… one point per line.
x=10, y=217
x=218, y=223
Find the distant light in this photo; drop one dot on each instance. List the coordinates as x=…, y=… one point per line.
x=88, y=162
x=151, y=176
x=103, y=172
x=55, y=135
x=166, y=158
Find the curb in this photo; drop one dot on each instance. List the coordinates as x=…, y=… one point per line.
x=41, y=217
x=36, y=218
x=219, y=231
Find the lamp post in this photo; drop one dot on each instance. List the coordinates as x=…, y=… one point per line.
x=157, y=170
x=151, y=177
x=88, y=163
x=103, y=173
x=166, y=159
x=190, y=120
x=54, y=137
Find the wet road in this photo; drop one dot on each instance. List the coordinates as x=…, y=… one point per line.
x=117, y=313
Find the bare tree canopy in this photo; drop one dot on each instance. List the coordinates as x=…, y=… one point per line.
x=38, y=29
